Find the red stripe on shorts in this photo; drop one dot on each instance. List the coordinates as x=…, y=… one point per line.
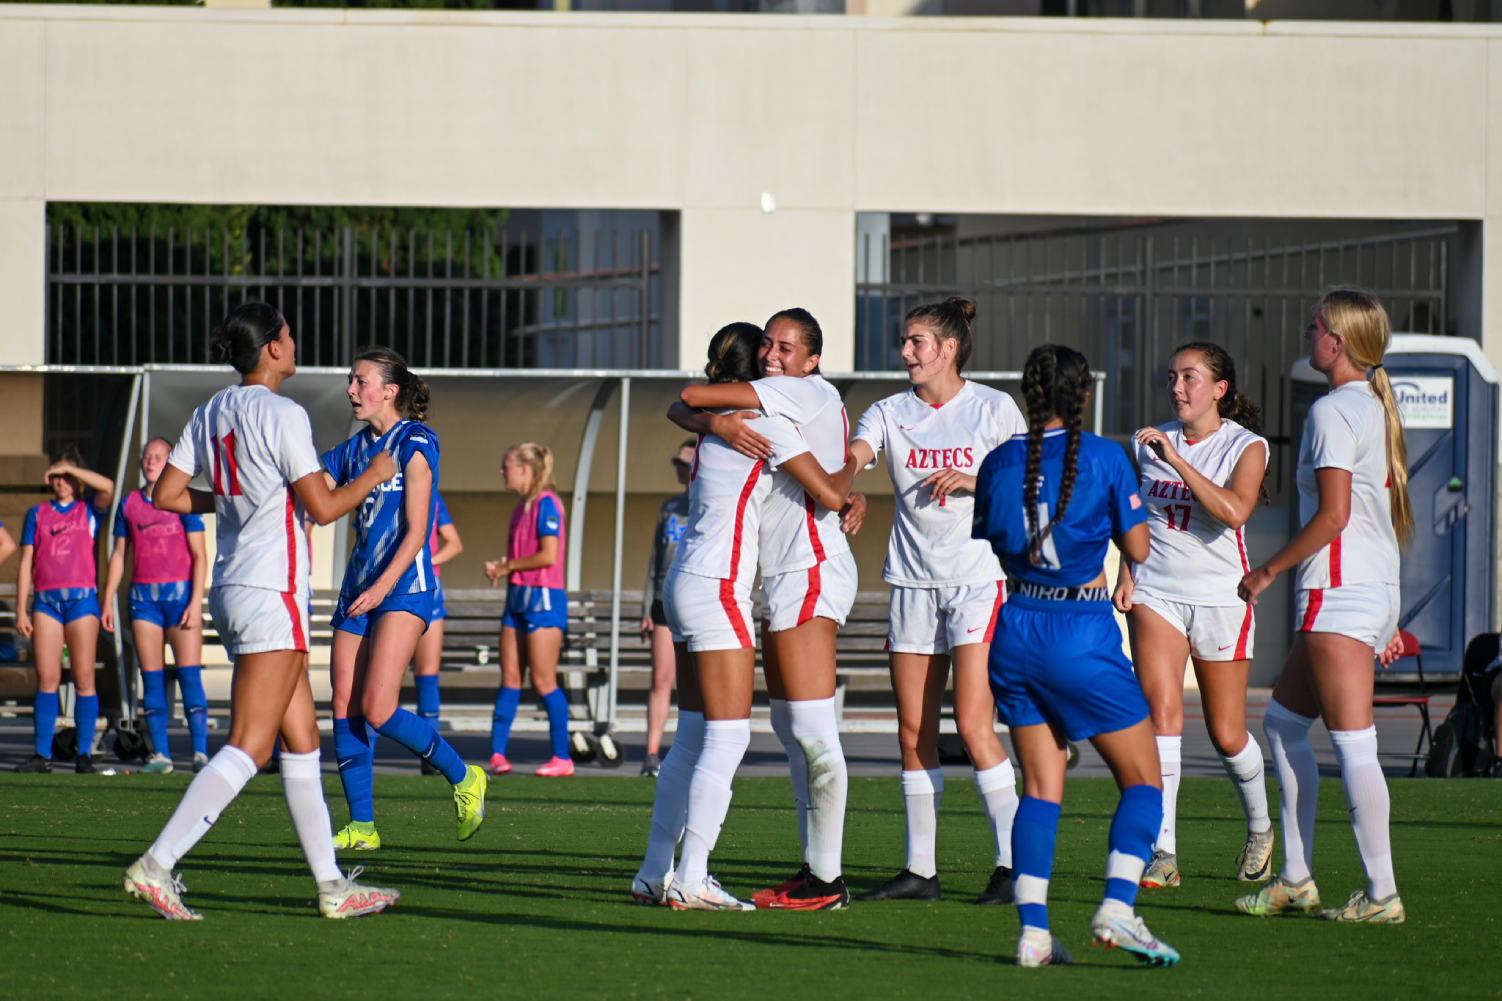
x=1246, y=630
x=1001, y=596
x=299, y=639
x=811, y=597
x=733, y=612
x=1316, y=599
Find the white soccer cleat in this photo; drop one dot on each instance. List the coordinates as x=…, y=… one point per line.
x=1255, y=863
x=1362, y=908
x=1036, y=947
x=344, y=898
x=1128, y=932
x=706, y=895
x=648, y=893
x=147, y=880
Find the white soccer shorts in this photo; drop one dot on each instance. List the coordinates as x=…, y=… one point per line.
x=825, y=591
x=258, y=619
x=707, y=613
x=936, y=619
x=1215, y=632
x=1367, y=613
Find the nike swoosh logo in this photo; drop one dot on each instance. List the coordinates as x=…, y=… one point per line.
x=1226, y=647
x=901, y=428
x=975, y=630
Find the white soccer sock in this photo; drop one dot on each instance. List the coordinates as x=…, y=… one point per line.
x=725, y=742
x=922, y=792
x=782, y=725
x=816, y=729
x=1366, y=795
x=302, y=784
x=1170, y=756
x=210, y=792
x=670, y=804
x=1298, y=785
x=997, y=786
x=1245, y=769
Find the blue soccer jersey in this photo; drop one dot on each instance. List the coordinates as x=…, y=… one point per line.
x=381, y=521
x=1104, y=502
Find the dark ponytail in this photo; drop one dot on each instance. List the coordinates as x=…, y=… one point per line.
x=950, y=321
x=247, y=330
x=1055, y=383
x=1233, y=406
x=412, y=394
x=732, y=353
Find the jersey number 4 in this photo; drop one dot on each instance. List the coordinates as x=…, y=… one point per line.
x=226, y=471
x=1183, y=522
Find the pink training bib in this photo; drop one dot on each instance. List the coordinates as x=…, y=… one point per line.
x=64, y=542
x=525, y=540
x=161, y=554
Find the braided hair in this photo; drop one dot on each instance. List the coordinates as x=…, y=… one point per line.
x=1055, y=383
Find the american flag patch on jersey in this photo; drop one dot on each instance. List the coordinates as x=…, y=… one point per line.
x=1136, y=502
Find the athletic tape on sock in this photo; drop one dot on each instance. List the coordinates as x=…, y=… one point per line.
x=1030, y=889
x=1123, y=866
x=996, y=777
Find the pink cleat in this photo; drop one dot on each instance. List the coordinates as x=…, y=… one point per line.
x=557, y=768
x=499, y=765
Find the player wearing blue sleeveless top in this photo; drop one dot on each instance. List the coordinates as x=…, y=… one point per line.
x=1050, y=502
x=386, y=601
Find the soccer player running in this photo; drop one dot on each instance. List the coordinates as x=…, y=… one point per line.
x=707, y=598
x=672, y=519
x=1049, y=502
x=255, y=448
x=808, y=582
x=946, y=587
x=57, y=560
x=1353, y=502
x=386, y=602
x=168, y=566
x=443, y=545
x=1200, y=476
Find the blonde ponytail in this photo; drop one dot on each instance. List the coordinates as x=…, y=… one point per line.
x=540, y=458
x=1397, y=457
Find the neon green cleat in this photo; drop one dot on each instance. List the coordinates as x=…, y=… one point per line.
x=1364, y=909
x=1279, y=896
x=469, y=801
x=358, y=836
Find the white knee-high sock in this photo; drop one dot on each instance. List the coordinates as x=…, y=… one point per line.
x=816, y=729
x=1366, y=795
x=1170, y=757
x=782, y=725
x=725, y=742
x=670, y=805
x=302, y=784
x=922, y=793
x=211, y=791
x=1298, y=785
x=1245, y=769
x=997, y=786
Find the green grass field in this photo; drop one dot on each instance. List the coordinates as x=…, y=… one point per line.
x=536, y=904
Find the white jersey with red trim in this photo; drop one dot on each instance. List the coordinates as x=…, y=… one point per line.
x=930, y=545
x=1347, y=429
x=725, y=497
x=796, y=532
x=1194, y=558
x=251, y=445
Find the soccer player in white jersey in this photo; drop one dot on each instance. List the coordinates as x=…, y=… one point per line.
x=255, y=448
x=808, y=583
x=1201, y=476
x=1353, y=502
x=946, y=586
x=707, y=597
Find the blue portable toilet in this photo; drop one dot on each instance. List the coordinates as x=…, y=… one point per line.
x=1447, y=396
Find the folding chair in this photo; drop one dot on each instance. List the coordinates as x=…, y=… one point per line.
x=1419, y=701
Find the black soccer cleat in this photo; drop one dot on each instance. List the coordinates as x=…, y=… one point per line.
x=35, y=764
x=999, y=889
x=84, y=765
x=905, y=885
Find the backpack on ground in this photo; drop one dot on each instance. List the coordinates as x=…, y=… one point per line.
x=1462, y=744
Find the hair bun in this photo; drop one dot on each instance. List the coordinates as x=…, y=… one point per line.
x=965, y=306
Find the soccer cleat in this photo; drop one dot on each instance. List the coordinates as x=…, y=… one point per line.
x=428, y=768
x=84, y=765
x=158, y=764
x=999, y=889
x=559, y=768
x=200, y=761
x=352, y=838
x=1362, y=908
x=811, y=894
x=803, y=874
x=906, y=885
x=1162, y=871
x=344, y=898
x=36, y=764
x=1129, y=933
x=499, y=765
x=648, y=893
x=146, y=880
x=1279, y=896
x=651, y=765
x=706, y=895
x=1036, y=947
x=469, y=800
x=1255, y=863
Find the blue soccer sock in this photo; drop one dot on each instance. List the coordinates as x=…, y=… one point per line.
x=428, y=700
x=556, y=703
x=506, y=701
x=44, y=721
x=195, y=706
x=356, y=758
x=1034, y=830
x=154, y=702
x=418, y=736
x=86, y=719
x=1139, y=815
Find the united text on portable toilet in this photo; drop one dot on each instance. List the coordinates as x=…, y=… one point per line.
x=1447, y=398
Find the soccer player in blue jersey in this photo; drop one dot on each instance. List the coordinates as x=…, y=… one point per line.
x=1049, y=502
x=386, y=602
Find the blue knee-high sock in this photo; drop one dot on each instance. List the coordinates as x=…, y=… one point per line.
x=427, y=697
x=556, y=704
x=195, y=706
x=86, y=718
x=352, y=749
x=44, y=721
x=1138, y=818
x=1034, y=831
x=154, y=702
x=506, y=701
x=418, y=736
